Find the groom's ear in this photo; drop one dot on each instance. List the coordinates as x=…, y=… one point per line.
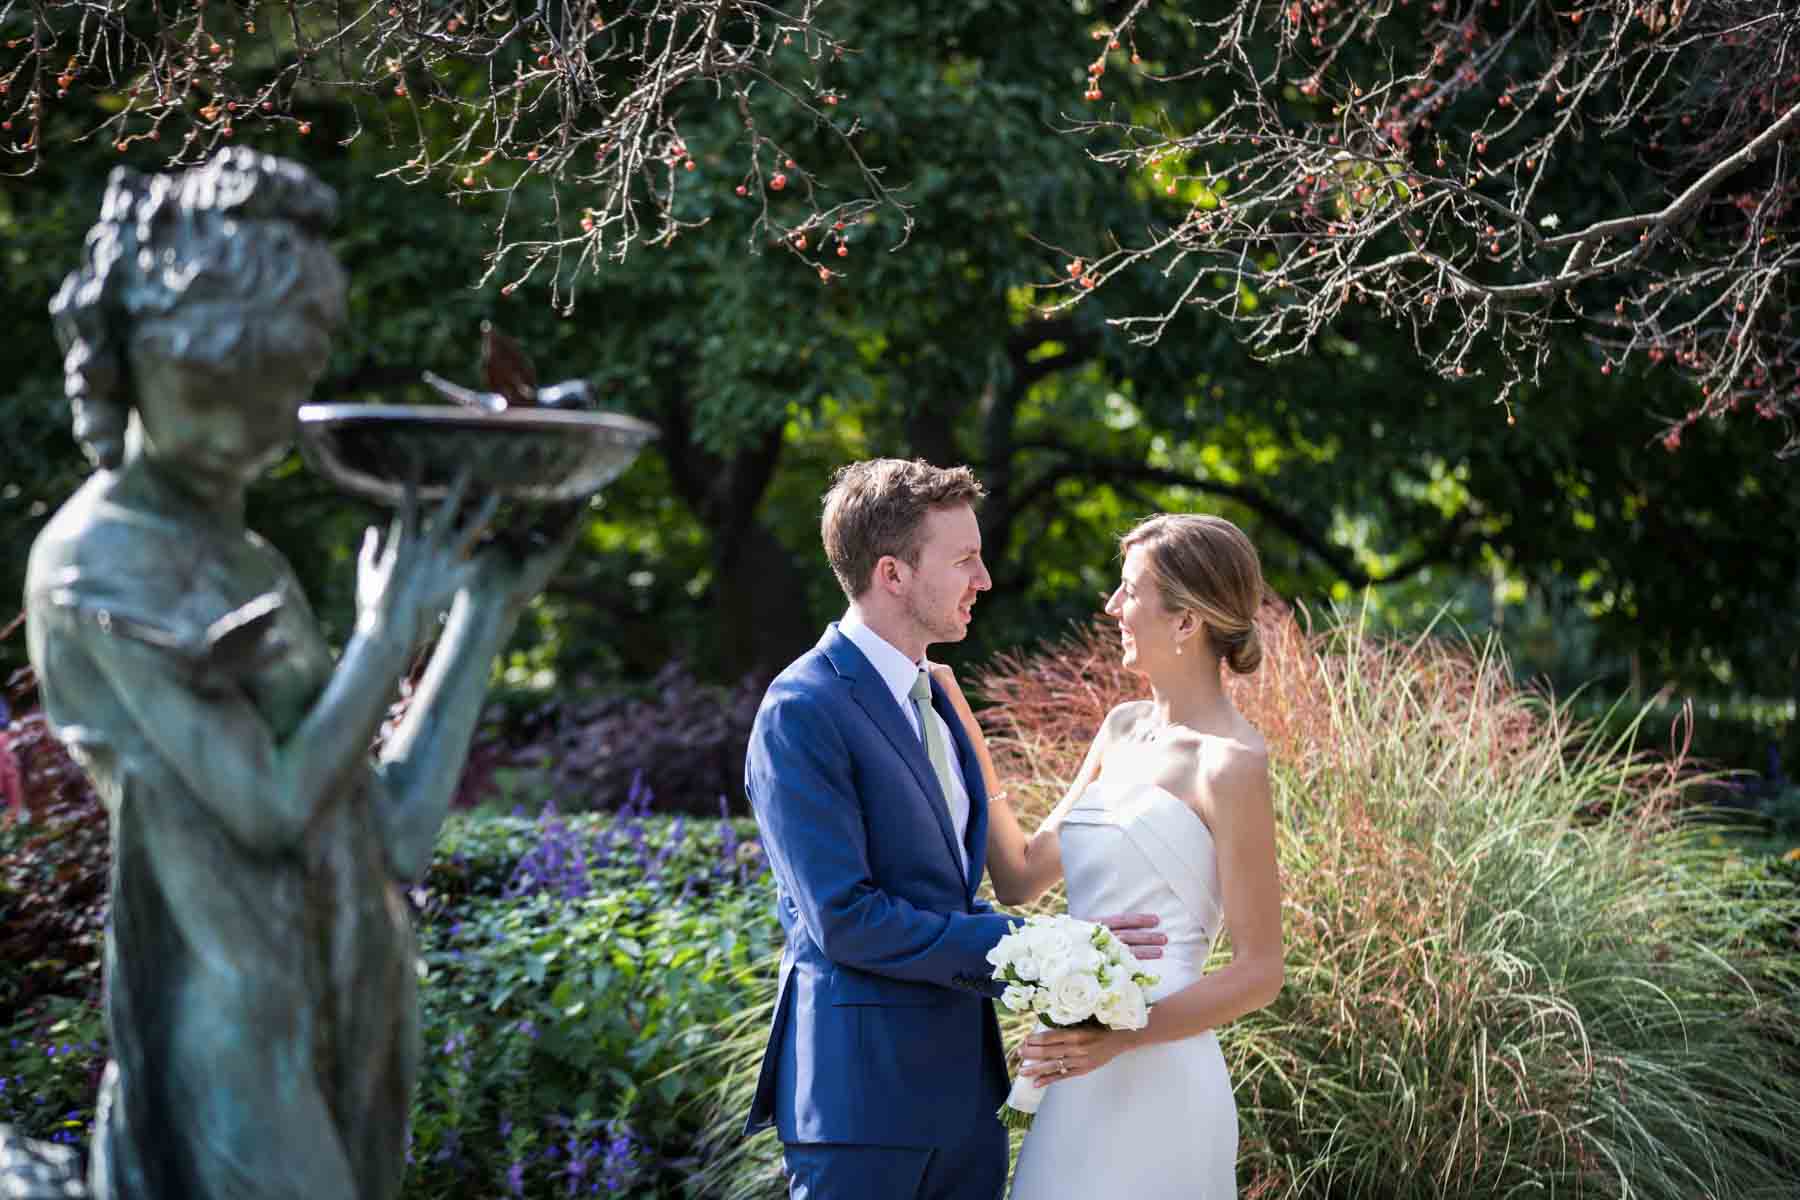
x=889, y=573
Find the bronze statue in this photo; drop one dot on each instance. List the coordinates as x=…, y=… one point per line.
x=260, y=964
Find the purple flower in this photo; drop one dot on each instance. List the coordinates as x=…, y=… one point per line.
x=619, y=1167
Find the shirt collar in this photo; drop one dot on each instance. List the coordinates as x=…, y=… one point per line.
x=896, y=670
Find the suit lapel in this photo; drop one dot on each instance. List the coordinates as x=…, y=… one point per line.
x=872, y=695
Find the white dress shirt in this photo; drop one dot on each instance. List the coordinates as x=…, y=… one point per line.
x=898, y=672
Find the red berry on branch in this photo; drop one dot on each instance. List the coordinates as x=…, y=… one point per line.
x=777, y=181
x=742, y=190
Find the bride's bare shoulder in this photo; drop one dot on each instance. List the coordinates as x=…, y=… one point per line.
x=1233, y=766
x=1126, y=717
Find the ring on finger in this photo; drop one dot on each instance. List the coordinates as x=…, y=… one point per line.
x=1062, y=1066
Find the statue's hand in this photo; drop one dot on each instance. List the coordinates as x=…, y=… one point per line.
x=405, y=580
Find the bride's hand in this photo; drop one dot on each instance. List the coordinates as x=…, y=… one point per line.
x=1138, y=931
x=1053, y=1055
x=946, y=679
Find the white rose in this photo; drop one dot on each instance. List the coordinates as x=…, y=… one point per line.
x=1075, y=992
x=1040, y=1001
x=1053, y=963
x=1018, y=999
x=1002, y=953
x=1124, y=1007
x=1026, y=966
x=1085, y=958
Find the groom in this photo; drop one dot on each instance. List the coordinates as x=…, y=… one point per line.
x=884, y=1067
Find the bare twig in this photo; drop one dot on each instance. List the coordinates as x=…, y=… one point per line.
x=1411, y=161
x=593, y=103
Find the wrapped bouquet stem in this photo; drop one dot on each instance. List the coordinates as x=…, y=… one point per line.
x=1069, y=973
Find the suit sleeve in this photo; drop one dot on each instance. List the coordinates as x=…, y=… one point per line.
x=799, y=779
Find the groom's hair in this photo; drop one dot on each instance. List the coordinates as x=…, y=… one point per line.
x=876, y=508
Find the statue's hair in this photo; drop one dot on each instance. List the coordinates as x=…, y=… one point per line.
x=218, y=262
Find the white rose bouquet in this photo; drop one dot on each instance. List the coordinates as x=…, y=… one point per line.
x=1068, y=972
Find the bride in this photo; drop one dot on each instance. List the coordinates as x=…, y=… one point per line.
x=1170, y=814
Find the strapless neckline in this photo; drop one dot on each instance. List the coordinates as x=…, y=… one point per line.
x=1159, y=792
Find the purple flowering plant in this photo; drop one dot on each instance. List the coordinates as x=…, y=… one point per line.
x=573, y=964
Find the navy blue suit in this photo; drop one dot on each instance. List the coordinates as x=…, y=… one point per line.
x=884, y=1067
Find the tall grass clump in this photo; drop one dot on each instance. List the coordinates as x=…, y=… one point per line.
x=1514, y=967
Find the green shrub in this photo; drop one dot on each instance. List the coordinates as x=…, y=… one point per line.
x=571, y=964
x=50, y=1062
x=1512, y=967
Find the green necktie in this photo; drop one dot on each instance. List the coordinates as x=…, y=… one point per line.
x=934, y=743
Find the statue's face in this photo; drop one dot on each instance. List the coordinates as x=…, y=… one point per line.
x=226, y=424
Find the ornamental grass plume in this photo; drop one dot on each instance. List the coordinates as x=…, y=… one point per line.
x=1513, y=966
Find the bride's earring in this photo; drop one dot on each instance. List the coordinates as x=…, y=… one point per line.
x=1178, y=649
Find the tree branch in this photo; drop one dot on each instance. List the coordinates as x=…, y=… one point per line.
x=1297, y=529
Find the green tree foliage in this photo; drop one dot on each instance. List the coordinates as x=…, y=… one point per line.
x=1354, y=465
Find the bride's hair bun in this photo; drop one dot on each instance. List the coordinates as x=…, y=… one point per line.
x=1207, y=565
x=1243, y=653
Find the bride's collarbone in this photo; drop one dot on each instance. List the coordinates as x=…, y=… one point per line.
x=1169, y=769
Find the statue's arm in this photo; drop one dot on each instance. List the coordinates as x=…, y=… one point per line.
x=423, y=759
x=213, y=738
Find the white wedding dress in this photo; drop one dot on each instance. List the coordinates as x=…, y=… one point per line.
x=1156, y=1123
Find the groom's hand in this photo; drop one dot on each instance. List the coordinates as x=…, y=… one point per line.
x=1137, y=930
